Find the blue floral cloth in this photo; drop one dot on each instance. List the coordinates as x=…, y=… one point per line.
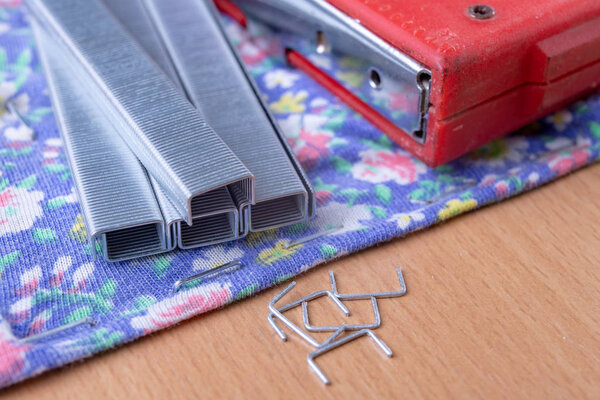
x=364, y=182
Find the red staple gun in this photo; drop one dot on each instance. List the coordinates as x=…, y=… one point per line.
x=446, y=76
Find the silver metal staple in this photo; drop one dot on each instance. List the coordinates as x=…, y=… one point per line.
x=465, y=184
x=362, y=296
x=159, y=126
x=85, y=321
x=232, y=265
x=334, y=344
x=355, y=327
x=334, y=335
x=317, y=235
x=10, y=107
x=277, y=312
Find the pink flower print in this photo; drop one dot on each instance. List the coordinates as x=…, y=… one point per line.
x=30, y=280
x=185, y=304
x=12, y=361
x=309, y=147
x=563, y=163
x=377, y=166
x=323, y=197
x=399, y=101
x=307, y=137
x=501, y=188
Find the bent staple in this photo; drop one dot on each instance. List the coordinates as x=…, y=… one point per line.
x=166, y=133
x=115, y=194
x=218, y=85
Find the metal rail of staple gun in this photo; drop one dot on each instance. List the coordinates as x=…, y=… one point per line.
x=165, y=132
x=115, y=194
x=215, y=81
x=391, y=74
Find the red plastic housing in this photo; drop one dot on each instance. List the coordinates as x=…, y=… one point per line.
x=489, y=76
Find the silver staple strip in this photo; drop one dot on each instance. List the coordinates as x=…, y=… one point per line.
x=115, y=193
x=216, y=82
x=166, y=133
x=171, y=217
x=133, y=16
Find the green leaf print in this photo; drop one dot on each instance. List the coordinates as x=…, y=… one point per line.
x=383, y=193
x=27, y=183
x=341, y=165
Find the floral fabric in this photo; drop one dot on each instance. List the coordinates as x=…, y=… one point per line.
x=364, y=183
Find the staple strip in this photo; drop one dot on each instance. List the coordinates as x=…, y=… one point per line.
x=170, y=215
x=168, y=135
x=133, y=15
x=115, y=193
x=139, y=25
x=218, y=85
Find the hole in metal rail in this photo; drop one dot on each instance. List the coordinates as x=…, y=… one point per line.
x=375, y=79
x=419, y=134
x=481, y=11
x=322, y=45
x=424, y=80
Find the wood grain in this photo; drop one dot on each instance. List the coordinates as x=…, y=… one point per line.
x=503, y=303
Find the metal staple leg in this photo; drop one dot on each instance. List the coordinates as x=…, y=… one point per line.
x=334, y=344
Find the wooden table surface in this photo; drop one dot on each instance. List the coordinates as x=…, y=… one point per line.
x=503, y=303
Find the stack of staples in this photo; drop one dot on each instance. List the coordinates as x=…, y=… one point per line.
x=168, y=140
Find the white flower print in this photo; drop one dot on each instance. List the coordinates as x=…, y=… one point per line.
x=19, y=133
x=405, y=220
x=217, y=255
x=339, y=214
x=560, y=120
x=280, y=77
x=19, y=209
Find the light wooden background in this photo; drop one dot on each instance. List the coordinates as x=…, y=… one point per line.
x=503, y=303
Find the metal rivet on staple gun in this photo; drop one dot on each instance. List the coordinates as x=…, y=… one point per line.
x=230, y=265
x=481, y=11
x=89, y=321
